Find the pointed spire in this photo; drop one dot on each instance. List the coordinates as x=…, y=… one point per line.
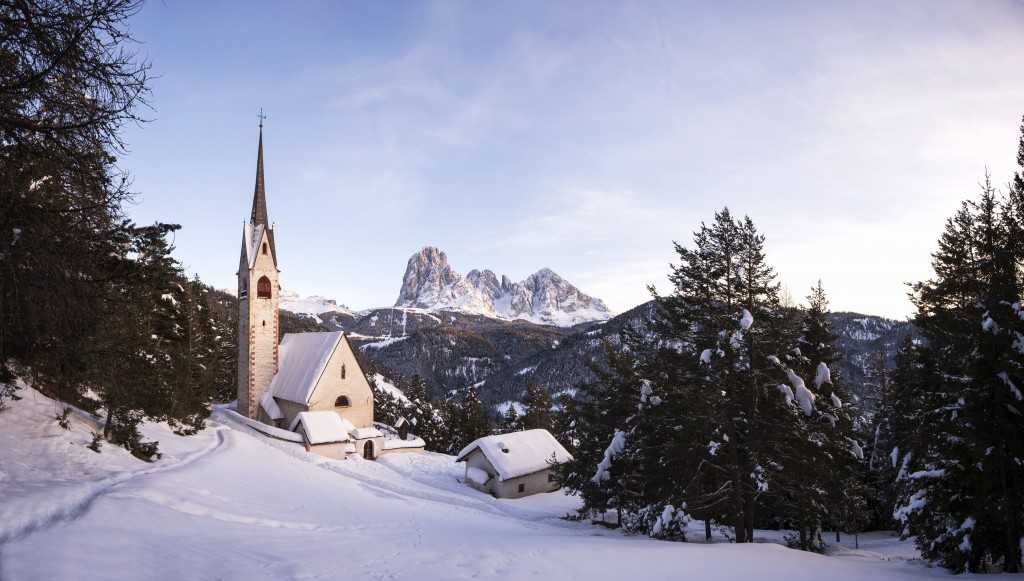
x=259, y=197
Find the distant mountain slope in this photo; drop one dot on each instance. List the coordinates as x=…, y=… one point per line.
x=543, y=297
x=453, y=349
x=862, y=336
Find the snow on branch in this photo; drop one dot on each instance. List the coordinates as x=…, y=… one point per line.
x=647, y=393
x=915, y=503
x=617, y=445
x=746, y=320
x=1009, y=383
x=803, y=395
x=787, y=393
x=988, y=325
x=856, y=449
x=705, y=357
x=836, y=401
x=822, y=375
x=934, y=473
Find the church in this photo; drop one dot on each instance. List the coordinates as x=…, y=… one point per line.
x=307, y=387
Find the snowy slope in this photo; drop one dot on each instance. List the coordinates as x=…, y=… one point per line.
x=312, y=305
x=231, y=504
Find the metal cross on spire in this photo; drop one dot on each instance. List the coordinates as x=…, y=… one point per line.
x=261, y=117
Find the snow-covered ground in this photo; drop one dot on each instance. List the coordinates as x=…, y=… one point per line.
x=230, y=503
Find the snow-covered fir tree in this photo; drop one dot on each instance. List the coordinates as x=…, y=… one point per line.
x=960, y=480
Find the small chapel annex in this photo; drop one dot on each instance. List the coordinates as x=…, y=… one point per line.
x=308, y=386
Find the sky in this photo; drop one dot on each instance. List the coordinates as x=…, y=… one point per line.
x=584, y=137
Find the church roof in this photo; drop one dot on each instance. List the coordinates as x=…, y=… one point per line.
x=302, y=359
x=270, y=406
x=253, y=236
x=259, y=216
x=323, y=427
x=259, y=196
x=518, y=453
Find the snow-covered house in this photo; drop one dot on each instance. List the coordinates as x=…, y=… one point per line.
x=513, y=465
x=307, y=383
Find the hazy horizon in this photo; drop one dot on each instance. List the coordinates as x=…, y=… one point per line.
x=581, y=137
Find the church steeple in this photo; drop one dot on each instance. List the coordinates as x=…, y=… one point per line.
x=259, y=288
x=259, y=196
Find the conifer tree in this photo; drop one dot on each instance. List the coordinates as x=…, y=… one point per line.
x=61, y=194
x=816, y=497
x=538, y=408
x=599, y=470
x=723, y=328
x=509, y=421
x=470, y=420
x=960, y=482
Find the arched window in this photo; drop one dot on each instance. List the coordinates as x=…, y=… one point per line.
x=341, y=402
x=264, y=248
x=343, y=371
x=263, y=288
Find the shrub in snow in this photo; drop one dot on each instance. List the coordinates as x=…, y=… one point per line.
x=64, y=418
x=666, y=522
x=812, y=541
x=97, y=441
x=8, y=387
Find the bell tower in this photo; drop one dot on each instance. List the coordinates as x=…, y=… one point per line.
x=259, y=293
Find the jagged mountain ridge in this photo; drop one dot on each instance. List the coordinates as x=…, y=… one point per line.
x=544, y=297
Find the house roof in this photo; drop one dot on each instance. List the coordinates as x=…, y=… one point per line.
x=301, y=362
x=518, y=453
x=322, y=427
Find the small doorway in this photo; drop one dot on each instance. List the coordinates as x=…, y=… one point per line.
x=368, y=450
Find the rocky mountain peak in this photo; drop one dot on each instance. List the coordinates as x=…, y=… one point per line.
x=426, y=274
x=543, y=297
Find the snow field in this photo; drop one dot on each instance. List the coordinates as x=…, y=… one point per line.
x=231, y=503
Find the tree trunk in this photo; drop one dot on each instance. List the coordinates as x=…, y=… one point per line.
x=707, y=530
x=739, y=524
x=108, y=424
x=748, y=515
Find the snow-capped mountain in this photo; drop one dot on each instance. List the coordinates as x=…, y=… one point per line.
x=543, y=297
x=311, y=305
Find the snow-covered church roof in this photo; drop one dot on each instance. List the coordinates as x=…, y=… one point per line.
x=253, y=236
x=323, y=427
x=270, y=406
x=302, y=359
x=518, y=453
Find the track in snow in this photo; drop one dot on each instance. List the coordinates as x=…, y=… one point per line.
x=18, y=521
